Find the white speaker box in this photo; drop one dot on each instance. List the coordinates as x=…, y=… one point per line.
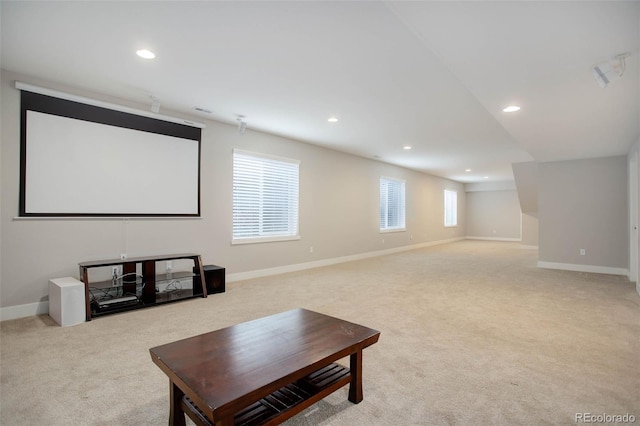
x=66, y=301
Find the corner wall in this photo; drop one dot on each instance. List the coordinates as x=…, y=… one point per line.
x=634, y=213
x=583, y=205
x=493, y=212
x=530, y=230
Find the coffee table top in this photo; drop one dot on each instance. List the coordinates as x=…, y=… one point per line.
x=229, y=368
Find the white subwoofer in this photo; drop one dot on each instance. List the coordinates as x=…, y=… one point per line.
x=66, y=301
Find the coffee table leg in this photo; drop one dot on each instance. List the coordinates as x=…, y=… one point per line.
x=355, y=387
x=176, y=415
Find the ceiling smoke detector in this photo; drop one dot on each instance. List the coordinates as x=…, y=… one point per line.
x=605, y=72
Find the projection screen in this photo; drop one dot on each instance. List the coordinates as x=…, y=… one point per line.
x=84, y=160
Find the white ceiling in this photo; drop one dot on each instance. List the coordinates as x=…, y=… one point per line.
x=433, y=75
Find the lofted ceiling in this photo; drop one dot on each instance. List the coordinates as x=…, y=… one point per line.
x=431, y=75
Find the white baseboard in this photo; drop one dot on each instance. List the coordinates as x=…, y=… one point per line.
x=259, y=273
x=21, y=311
x=493, y=239
x=31, y=309
x=583, y=268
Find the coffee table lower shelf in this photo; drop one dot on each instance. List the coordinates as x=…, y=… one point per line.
x=285, y=402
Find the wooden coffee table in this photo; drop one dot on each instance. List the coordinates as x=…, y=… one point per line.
x=262, y=372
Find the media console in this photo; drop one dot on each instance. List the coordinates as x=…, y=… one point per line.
x=138, y=285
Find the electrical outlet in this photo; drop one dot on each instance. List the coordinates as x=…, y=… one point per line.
x=123, y=256
x=169, y=266
x=583, y=252
x=311, y=249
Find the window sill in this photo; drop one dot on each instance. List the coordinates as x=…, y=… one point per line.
x=386, y=231
x=257, y=240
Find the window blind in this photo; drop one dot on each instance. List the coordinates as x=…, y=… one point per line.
x=265, y=197
x=392, y=204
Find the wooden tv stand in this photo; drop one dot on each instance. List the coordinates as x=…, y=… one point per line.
x=141, y=289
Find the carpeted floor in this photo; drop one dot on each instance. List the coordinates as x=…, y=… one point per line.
x=471, y=333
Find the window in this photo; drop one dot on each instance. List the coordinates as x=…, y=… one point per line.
x=392, y=205
x=450, y=208
x=265, y=198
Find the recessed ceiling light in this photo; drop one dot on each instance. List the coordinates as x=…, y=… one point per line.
x=511, y=108
x=407, y=147
x=467, y=170
x=332, y=120
x=486, y=177
x=146, y=54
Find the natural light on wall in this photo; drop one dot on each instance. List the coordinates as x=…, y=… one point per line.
x=450, y=208
x=392, y=205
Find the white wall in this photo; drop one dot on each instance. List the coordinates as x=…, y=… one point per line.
x=530, y=230
x=634, y=212
x=493, y=212
x=338, y=212
x=583, y=205
x=526, y=179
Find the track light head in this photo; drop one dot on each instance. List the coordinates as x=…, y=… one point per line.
x=605, y=72
x=242, y=125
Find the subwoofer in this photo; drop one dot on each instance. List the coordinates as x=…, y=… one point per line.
x=214, y=278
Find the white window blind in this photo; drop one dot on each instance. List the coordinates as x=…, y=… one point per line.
x=450, y=208
x=392, y=204
x=265, y=197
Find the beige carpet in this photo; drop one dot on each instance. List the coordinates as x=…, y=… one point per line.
x=471, y=333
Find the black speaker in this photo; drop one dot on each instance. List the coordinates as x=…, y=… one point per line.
x=214, y=277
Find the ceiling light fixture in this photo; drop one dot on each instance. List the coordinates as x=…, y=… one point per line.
x=242, y=125
x=407, y=147
x=467, y=170
x=486, y=177
x=332, y=120
x=511, y=108
x=607, y=71
x=146, y=54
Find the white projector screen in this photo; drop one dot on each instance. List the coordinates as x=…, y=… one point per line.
x=79, y=167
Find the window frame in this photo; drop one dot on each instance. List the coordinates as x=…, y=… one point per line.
x=402, y=206
x=267, y=237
